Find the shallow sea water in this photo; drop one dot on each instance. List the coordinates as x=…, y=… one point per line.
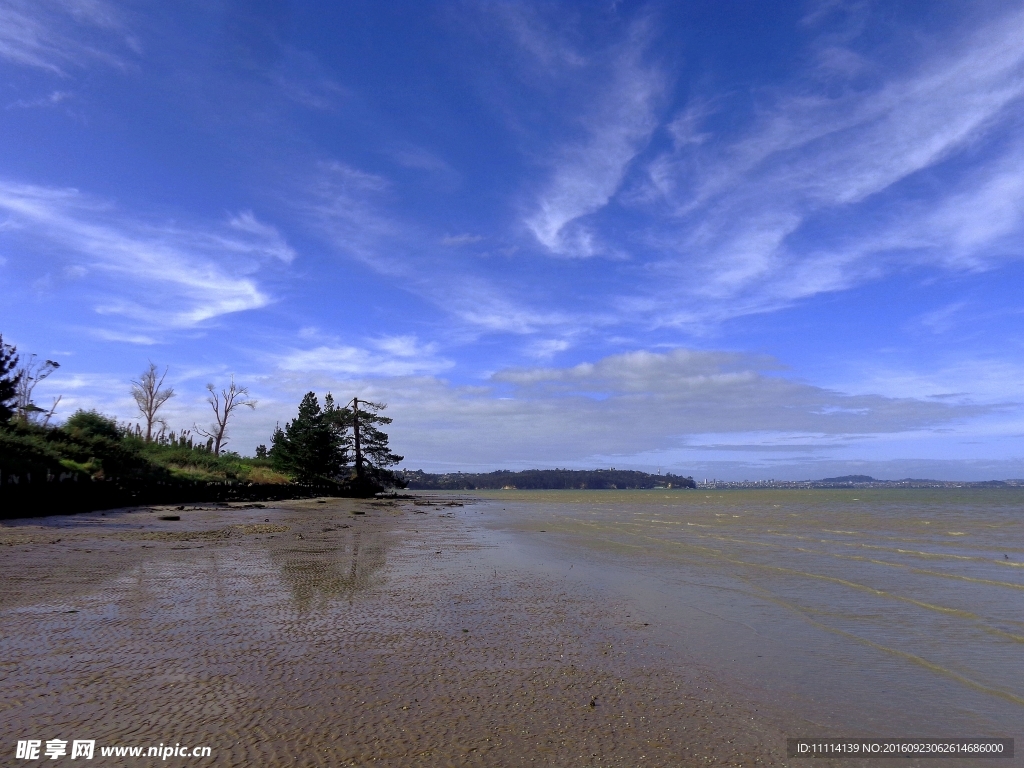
x=867, y=612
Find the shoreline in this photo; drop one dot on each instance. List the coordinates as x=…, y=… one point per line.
x=303, y=634
x=883, y=613
x=71, y=497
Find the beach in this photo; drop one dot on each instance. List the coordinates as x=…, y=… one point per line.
x=304, y=634
x=518, y=628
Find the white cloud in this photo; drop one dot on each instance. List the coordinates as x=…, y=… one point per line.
x=159, y=275
x=350, y=180
x=419, y=159
x=343, y=203
x=532, y=35
x=348, y=207
x=480, y=304
x=300, y=77
x=55, y=35
x=547, y=348
x=404, y=346
x=265, y=238
x=743, y=209
x=716, y=413
x=968, y=378
x=627, y=405
x=392, y=356
x=51, y=100
x=940, y=320
x=588, y=174
x=125, y=338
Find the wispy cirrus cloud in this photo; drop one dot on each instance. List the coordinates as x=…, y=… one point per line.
x=385, y=356
x=825, y=191
x=51, y=100
x=262, y=240
x=966, y=378
x=160, y=275
x=54, y=36
x=546, y=51
x=124, y=338
x=346, y=205
x=484, y=307
x=415, y=158
x=351, y=209
x=587, y=173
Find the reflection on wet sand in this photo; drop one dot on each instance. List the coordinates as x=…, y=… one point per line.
x=330, y=567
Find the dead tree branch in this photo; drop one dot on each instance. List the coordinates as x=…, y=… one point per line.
x=223, y=404
x=29, y=375
x=150, y=396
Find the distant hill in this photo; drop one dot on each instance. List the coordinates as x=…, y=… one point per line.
x=544, y=479
x=850, y=479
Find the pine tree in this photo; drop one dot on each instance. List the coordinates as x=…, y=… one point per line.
x=310, y=446
x=319, y=442
x=368, y=445
x=9, y=379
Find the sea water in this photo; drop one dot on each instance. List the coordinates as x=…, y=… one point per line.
x=861, y=612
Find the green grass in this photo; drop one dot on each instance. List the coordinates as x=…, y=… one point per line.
x=92, y=445
x=199, y=464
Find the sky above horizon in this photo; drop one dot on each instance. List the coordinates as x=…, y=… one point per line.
x=724, y=239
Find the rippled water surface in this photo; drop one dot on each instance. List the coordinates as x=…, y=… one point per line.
x=865, y=612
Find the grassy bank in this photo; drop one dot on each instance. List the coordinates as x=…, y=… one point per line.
x=91, y=462
x=92, y=447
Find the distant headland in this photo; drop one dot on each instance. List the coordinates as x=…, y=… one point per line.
x=859, y=481
x=543, y=479
x=623, y=479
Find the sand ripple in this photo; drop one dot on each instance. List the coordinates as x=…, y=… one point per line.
x=309, y=636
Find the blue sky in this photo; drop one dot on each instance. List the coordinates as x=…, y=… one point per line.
x=728, y=239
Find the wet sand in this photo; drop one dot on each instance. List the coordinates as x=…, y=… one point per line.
x=306, y=635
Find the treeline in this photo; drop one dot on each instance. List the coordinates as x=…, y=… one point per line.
x=92, y=461
x=545, y=479
x=337, y=443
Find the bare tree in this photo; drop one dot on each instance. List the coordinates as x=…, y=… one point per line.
x=52, y=411
x=150, y=396
x=223, y=404
x=29, y=375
